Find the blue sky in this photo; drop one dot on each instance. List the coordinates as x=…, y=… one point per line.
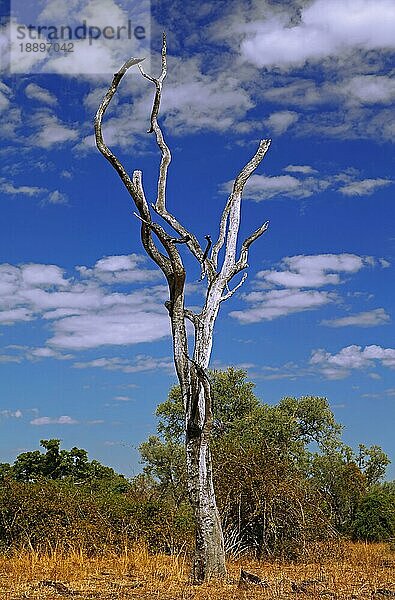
x=85, y=349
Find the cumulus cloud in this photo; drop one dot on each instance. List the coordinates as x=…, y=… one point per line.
x=9, y=317
x=141, y=363
x=57, y=197
x=293, y=275
x=265, y=187
x=48, y=197
x=121, y=269
x=195, y=100
x=324, y=30
x=5, y=94
x=37, y=275
x=329, y=59
x=49, y=130
x=350, y=358
x=365, y=187
x=85, y=312
x=86, y=56
x=278, y=303
x=305, y=181
x=39, y=353
x=370, y=89
x=121, y=327
x=279, y=122
x=62, y=420
x=36, y=92
x=305, y=169
x=369, y=318
x=315, y=270
x=7, y=187
x=11, y=414
x=17, y=353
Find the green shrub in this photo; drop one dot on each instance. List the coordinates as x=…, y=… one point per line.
x=375, y=516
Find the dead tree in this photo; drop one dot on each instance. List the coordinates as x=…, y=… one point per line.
x=192, y=367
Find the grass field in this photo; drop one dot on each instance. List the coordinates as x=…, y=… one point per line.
x=349, y=571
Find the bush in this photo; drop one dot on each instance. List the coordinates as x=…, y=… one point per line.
x=375, y=516
x=49, y=514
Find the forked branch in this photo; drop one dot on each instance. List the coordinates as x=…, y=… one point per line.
x=102, y=146
x=160, y=205
x=172, y=263
x=230, y=219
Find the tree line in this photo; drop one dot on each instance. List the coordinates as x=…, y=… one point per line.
x=283, y=476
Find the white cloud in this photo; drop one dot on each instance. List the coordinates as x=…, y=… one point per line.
x=54, y=197
x=366, y=187
x=21, y=352
x=195, y=101
x=5, y=94
x=114, y=327
x=8, y=358
x=369, y=318
x=278, y=303
x=57, y=197
x=24, y=190
x=280, y=121
x=340, y=365
x=264, y=187
x=305, y=182
x=331, y=59
x=324, y=30
x=305, y=169
x=50, y=131
x=84, y=312
x=87, y=55
x=300, y=92
x=141, y=363
x=121, y=269
x=370, y=89
x=313, y=270
x=9, y=317
x=37, y=275
x=11, y=414
x=38, y=353
x=62, y=420
x=295, y=273
x=36, y=92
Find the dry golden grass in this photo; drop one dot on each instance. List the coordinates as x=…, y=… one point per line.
x=350, y=571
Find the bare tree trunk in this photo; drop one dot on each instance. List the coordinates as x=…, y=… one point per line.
x=209, y=558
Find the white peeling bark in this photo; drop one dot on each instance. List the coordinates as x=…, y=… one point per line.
x=209, y=558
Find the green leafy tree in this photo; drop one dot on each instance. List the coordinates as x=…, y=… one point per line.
x=375, y=516
x=58, y=464
x=337, y=478
x=373, y=463
x=262, y=460
x=164, y=455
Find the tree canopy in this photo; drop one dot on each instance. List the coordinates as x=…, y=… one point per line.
x=283, y=475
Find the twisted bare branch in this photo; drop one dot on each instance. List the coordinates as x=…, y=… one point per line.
x=160, y=205
x=160, y=259
x=230, y=219
x=171, y=264
x=242, y=263
x=102, y=146
x=231, y=292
